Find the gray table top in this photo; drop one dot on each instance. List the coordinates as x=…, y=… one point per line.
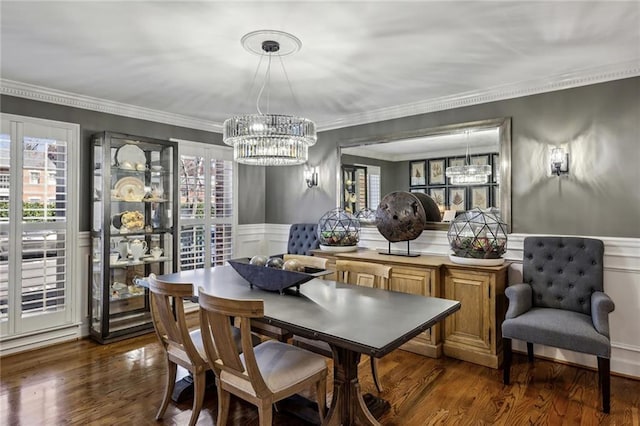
x=362, y=319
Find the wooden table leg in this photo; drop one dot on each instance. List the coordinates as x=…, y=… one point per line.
x=347, y=405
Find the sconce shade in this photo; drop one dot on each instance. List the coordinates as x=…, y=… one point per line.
x=311, y=177
x=559, y=161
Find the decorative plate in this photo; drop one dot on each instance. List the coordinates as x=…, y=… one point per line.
x=130, y=153
x=128, y=221
x=130, y=189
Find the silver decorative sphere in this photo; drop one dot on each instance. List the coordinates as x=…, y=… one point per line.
x=275, y=263
x=258, y=260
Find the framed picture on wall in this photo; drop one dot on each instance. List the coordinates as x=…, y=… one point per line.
x=495, y=168
x=480, y=196
x=457, y=198
x=417, y=173
x=437, y=168
x=454, y=162
x=480, y=160
x=439, y=196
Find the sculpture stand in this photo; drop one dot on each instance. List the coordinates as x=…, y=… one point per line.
x=399, y=252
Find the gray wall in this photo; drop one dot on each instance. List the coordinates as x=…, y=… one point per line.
x=601, y=197
x=252, y=180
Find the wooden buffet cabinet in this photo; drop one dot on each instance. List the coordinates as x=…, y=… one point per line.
x=474, y=332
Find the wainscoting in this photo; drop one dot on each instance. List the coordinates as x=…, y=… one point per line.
x=622, y=283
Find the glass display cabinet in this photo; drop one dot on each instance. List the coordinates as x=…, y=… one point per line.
x=133, y=232
x=354, y=180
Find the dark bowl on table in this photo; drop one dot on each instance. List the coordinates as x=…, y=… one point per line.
x=272, y=279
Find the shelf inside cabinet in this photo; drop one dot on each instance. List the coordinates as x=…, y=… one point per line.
x=144, y=260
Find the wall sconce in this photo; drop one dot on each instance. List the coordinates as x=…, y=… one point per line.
x=559, y=161
x=311, y=176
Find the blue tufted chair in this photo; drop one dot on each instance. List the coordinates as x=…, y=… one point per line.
x=303, y=237
x=561, y=303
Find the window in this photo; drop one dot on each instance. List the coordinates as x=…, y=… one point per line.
x=35, y=236
x=34, y=178
x=206, y=205
x=373, y=172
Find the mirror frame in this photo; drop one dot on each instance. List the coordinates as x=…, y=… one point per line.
x=504, y=140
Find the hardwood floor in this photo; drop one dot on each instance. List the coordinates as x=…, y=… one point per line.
x=86, y=383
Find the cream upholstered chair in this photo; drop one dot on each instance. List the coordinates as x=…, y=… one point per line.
x=310, y=261
x=181, y=346
x=262, y=375
x=561, y=303
x=364, y=274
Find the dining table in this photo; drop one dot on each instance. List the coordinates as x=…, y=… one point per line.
x=354, y=320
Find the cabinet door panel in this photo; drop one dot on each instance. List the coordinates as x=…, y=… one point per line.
x=413, y=281
x=470, y=325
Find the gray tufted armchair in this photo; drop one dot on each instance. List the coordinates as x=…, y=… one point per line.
x=303, y=237
x=561, y=303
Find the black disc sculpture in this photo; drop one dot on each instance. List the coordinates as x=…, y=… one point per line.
x=401, y=216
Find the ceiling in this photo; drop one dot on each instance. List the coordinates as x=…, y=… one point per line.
x=359, y=62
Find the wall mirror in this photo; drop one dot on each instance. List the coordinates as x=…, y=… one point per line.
x=417, y=160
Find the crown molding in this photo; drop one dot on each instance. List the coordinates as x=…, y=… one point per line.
x=516, y=90
x=526, y=88
x=59, y=97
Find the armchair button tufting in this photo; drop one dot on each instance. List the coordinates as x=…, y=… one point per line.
x=581, y=300
x=581, y=273
x=571, y=285
x=593, y=262
x=539, y=269
x=559, y=271
x=549, y=284
x=570, y=259
x=549, y=257
x=559, y=298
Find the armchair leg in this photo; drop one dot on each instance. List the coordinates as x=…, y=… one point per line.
x=506, y=365
x=604, y=378
x=530, y=351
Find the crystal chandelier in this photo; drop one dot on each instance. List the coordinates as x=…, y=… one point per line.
x=270, y=139
x=468, y=174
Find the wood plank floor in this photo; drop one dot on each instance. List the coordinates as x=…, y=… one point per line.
x=85, y=383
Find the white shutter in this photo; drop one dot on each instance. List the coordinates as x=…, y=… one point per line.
x=35, y=233
x=206, y=206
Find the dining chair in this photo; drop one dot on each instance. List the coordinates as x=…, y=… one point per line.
x=561, y=303
x=180, y=345
x=364, y=274
x=261, y=375
x=309, y=261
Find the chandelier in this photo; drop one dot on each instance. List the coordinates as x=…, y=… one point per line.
x=468, y=174
x=270, y=139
